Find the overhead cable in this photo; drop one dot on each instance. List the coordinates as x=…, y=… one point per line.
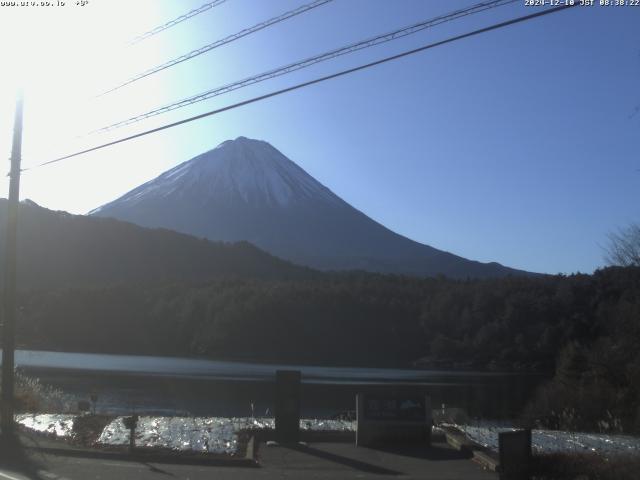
x=176, y=21
x=218, y=43
x=310, y=82
x=292, y=67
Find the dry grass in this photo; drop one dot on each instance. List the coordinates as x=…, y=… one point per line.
x=33, y=396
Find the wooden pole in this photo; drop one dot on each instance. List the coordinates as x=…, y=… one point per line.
x=9, y=300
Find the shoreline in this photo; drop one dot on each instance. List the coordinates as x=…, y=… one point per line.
x=418, y=366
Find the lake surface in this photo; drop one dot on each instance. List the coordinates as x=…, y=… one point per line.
x=166, y=385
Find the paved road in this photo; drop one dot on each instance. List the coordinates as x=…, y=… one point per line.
x=315, y=461
x=345, y=461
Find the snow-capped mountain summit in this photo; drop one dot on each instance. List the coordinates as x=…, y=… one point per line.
x=246, y=189
x=243, y=169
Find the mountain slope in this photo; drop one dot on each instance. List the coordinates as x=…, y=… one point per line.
x=247, y=190
x=61, y=250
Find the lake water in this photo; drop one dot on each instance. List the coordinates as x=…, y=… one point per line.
x=166, y=385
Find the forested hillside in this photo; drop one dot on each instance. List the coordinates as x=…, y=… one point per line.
x=58, y=249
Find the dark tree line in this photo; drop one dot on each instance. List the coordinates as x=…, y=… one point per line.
x=356, y=318
x=585, y=327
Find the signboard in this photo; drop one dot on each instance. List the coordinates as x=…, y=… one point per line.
x=393, y=419
x=397, y=409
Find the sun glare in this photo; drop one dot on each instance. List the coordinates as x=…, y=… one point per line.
x=62, y=57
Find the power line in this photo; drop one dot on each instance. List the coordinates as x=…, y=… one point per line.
x=377, y=40
x=402, y=32
x=218, y=43
x=312, y=82
x=175, y=21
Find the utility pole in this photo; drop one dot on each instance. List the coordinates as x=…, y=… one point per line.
x=9, y=300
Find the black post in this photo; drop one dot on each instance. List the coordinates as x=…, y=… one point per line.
x=514, y=450
x=9, y=304
x=287, y=409
x=131, y=423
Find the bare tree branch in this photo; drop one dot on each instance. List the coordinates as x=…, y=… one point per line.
x=624, y=247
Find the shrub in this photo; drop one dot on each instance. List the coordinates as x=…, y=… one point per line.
x=31, y=395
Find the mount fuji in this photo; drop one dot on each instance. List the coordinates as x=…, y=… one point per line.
x=246, y=189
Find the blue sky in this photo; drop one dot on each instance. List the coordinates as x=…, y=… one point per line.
x=516, y=146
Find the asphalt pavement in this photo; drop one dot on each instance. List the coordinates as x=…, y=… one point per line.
x=337, y=460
